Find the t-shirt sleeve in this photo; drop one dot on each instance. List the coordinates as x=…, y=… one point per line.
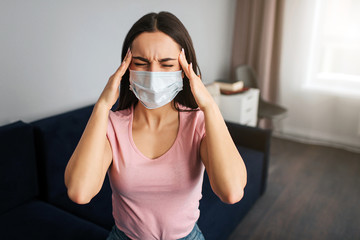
x=110, y=132
x=201, y=124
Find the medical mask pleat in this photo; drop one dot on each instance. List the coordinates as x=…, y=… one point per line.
x=174, y=85
x=155, y=89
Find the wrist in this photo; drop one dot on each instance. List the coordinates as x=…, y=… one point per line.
x=211, y=106
x=100, y=105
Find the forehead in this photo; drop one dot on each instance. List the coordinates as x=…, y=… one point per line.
x=155, y=44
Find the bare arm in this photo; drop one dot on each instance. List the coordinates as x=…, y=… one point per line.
x=223, y=163
x=87, y=167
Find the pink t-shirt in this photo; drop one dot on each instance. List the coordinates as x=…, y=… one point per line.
x=156, y=198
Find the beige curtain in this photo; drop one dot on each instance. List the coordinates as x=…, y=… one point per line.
x=256, y=43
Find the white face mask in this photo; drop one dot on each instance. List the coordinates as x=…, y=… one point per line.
x=155, y=89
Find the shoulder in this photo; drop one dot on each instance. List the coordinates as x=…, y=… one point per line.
x=120, y=114
x=118, y=122
x=120, y=117
x=193, y=119
x=191, y=113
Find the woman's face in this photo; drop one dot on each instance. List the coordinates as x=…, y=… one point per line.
x=155, y=52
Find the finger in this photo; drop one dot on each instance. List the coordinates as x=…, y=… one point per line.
x=127, y=56
x=191, y=73
x=124, y=65
x=188, y=68
x=183, y=62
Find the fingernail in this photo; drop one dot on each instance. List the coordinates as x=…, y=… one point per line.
x=191, y=65
x=182, y=51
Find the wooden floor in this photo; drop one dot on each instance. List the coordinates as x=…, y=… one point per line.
x=313, y=192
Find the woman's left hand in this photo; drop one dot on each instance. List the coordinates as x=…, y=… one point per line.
x=198, y=89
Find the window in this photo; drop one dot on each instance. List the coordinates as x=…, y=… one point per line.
x=334, y=59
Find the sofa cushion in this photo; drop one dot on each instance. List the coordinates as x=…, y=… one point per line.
x=98, y=211
x=39, y=220
x=218, y=219
x=56, y=140
x=18, y=180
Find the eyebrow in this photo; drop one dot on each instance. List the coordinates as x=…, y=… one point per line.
x=146, y=60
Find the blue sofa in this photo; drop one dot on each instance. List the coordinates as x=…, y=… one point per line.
x=34, y=202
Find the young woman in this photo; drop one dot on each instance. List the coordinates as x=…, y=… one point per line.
x=155, y=146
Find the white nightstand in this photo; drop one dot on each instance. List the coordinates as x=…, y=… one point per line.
x=240, y=108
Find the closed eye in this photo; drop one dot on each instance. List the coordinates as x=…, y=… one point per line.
x=144, y=64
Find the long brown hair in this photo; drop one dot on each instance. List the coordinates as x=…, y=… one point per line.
x=170, y=25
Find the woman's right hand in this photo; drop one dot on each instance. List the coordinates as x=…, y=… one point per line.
x=111, y=91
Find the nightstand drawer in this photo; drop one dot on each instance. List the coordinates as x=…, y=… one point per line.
x=240, y=108
x=250, y=98
x=248, y=112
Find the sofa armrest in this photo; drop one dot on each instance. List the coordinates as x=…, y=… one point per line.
x=253, y=138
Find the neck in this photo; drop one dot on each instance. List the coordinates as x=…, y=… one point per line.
x=154, y=118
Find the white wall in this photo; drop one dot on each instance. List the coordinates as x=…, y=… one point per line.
x=315, y=115
x=58, y=55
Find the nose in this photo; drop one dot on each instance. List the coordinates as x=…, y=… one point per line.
x=154, y=67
